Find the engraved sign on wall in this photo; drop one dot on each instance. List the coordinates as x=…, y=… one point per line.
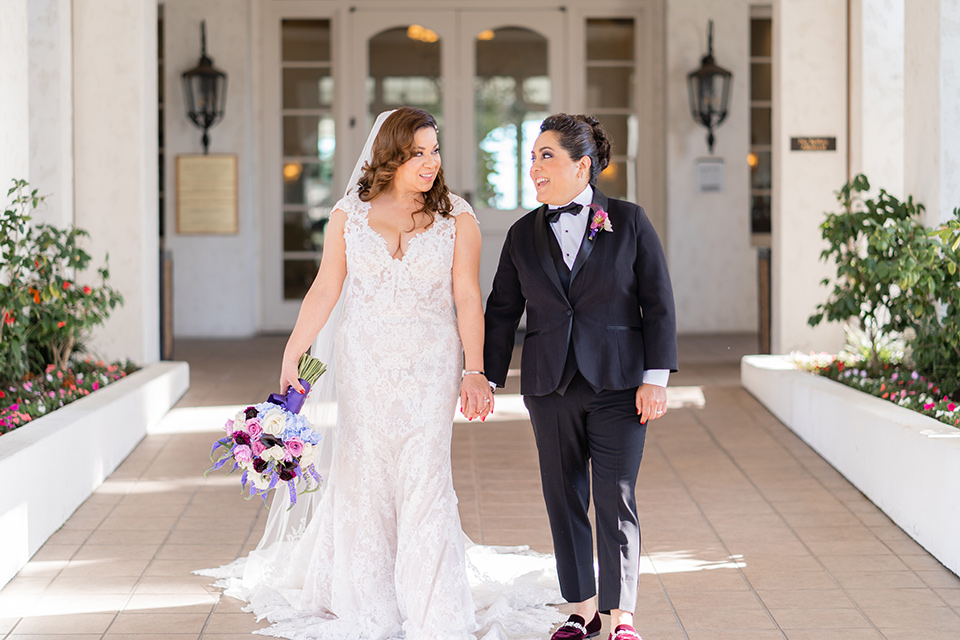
x=813, y=143
x=207, y=194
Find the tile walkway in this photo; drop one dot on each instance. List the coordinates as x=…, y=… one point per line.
x=748, y=534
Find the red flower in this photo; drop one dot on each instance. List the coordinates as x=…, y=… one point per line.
x=8, y=318
x=87, y=291
x=66, y=284
x=61, y=324
x=2, y=394
x=36, y=295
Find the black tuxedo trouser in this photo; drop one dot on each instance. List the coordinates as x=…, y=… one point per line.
x=573, y=430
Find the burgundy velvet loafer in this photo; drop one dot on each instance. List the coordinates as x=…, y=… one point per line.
x=576, y=628
x=625, y=632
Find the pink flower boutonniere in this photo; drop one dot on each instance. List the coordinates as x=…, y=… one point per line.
x=599, y=222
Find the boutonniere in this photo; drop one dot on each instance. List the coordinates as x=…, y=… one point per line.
x=599, y=222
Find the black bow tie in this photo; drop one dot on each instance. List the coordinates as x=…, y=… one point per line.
x=554, y=214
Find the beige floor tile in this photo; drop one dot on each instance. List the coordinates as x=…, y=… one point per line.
x=233, y=623
x=847, y=618
x=724, y=618
x=734, y=634
x=879, y=580
x=928, y=634
x=105, y=568
x=81, y=623
x=89, y=585
x=51, y=636
x=834, y=634
x=171, y=603
x=165, y=623
x=808, y=600
x=914, y=617
x=793, y=580
x=151, y=636
x=688, y=600
x=116, y=552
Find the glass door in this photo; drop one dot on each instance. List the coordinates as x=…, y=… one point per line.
x=515, y=64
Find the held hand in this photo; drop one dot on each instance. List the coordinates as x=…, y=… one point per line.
x=476, y=397
x=651, y=402
x=289, y=378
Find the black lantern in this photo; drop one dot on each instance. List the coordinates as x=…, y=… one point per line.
x=709, y=89
x=205, y=91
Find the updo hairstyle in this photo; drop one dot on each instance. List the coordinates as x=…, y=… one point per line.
x=580, y=136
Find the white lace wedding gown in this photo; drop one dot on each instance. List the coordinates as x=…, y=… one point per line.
x=383, y=557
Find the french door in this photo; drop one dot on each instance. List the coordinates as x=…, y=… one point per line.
x=489, y=78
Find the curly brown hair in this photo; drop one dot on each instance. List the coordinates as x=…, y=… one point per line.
x=393, y=146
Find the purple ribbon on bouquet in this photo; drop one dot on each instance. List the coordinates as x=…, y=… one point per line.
x=292, y=400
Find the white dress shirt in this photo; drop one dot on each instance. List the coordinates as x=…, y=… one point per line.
x=569, y=230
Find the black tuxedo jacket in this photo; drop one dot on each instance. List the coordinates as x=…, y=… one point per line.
x=619, y=315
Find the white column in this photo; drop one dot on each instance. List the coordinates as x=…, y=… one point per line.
x=115, y=132
x=51, y=108
x=876, y=92
x=810, y=89
x=932, y=106
x=14, y=102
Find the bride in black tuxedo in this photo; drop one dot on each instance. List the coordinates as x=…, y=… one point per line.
x=600, y=344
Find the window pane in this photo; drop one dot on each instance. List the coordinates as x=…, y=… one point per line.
x=760, y=214
x=613, y=181
x=309, y=184
x=760, y=125
x=305, y=230
x=306, y=40
x=307, y=88
x=760, y=170
x=761, y=37
x=298, y=275
x=610, y=39
x=617, y=129
x=610, y=87
x=405, y=71
x=512, y=95
x=761, y=80
x=309, y=136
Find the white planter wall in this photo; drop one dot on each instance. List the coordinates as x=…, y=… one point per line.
x=905, y=463
x=51, y=465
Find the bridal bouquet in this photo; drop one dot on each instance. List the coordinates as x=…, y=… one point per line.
x=272, y=443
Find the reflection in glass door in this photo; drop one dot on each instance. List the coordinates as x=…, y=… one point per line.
x=511, y=98
x=404, y=70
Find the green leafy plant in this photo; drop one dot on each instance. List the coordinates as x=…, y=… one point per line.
x=47, y=310
x=886, y=264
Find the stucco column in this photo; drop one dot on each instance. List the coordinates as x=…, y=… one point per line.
x=115, y=134
x=51, y=108
x=809, y=99
x=876, y=92
x=14, y=105
x=932, y=106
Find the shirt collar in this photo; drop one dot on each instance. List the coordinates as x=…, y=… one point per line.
x=585, y=198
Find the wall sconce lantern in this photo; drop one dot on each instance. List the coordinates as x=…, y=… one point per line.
x=709, y=89
x=205, y=91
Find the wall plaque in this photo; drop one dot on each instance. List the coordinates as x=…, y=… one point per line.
x=207, y=194
x=812, y=143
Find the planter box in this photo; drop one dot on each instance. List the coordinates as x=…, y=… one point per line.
x=905, y=463
x=52, y=464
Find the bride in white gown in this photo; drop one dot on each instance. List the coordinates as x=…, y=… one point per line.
x=380, y=555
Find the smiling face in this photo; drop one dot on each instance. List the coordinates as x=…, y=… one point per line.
x=419, y=172
x=557, y=177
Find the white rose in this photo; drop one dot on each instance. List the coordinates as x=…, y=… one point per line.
x=308, y=456
x=245, y=465
x=260, y=481
x=274, y=422
x=239, y=421
x=275, y=452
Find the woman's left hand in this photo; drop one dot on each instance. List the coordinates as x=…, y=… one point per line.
x=476, y=397
x=651, y=402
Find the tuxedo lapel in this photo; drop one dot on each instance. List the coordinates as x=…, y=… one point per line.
x=586, y=245
x=540, y=240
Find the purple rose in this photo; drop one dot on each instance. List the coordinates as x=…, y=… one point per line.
x=241, y=438
x=254, y=428
x=259, y=464
x=243, y=453
x=294, y=447
x=257, y=447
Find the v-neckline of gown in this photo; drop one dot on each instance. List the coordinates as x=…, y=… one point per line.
x=386, y=249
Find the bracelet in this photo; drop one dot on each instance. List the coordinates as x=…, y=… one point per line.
x=474, y=373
